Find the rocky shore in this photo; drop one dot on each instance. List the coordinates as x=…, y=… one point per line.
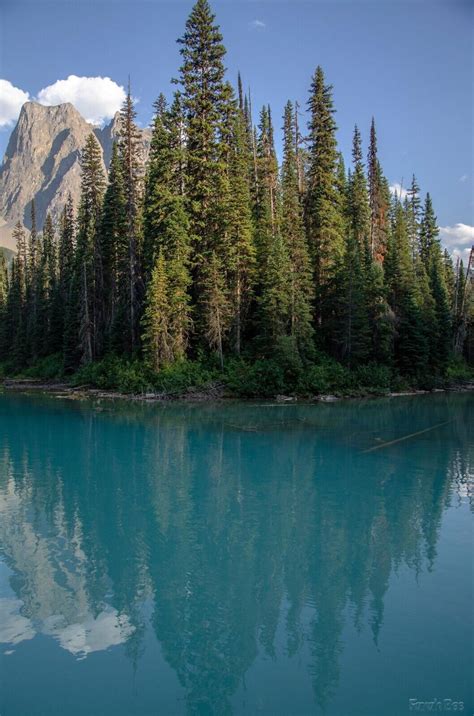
x=214, y=391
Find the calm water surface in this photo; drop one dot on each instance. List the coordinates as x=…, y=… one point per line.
x=236, y=559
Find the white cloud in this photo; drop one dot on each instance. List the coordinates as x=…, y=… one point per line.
x=257, y=25
x=93, y=633
x=96, y=98
x=398, y=190
x=464, y=178
x=14, y=628
x=11, y=100
x=458, y=239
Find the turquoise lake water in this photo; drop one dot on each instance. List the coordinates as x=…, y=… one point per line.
x=235, y=559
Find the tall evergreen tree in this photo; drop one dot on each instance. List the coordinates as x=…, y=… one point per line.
x=241, y=231
x=205, y=96
x=351, y=329
x=4, y=291
x=46, y=289
x=164, y=185
x=32, y=243
x=68, y=287
x=293, y=232
x=114, y=249
x=413, y=212
x=432, y=257
x=16, y=305
x=359, y=211
x=324, y=220
x=410, y=343
x=428, y=231
x=450, y=276
x=157, y=185
x=366, y=286
x=166, y=221
x=88, y=257
x=31, y=278
x=266, y=200
x=379, y=201
x=273, y=289
x=130, y=271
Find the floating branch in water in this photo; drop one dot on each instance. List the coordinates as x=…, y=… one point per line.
x=407, y=437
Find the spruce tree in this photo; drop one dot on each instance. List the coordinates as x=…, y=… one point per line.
x=67, y=297
x=88, y=270
x=131, y=281
x=114, y=251
x=178, y=138
x=463, y=310
x=450, y=276
x=411, y=350
x=16, y=305
x=164, y=185
x=266, y=200
x=367, y=284
x=166, y=223
x=273, y=288
x=46, y=290
x=31, y=278
x=413, y=211
x=293, y=232
x=13, y=317
x=379, y=201
x=324, y=220
x=432, y=258
x=205, y=98
x=4, y=292
x=241, y=231
x=428, y=231
x=359, y=211
x=351, y=328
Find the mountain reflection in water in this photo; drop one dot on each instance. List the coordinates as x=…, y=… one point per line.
x=235, y=536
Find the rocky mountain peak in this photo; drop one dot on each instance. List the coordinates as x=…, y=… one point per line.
x=42, y=161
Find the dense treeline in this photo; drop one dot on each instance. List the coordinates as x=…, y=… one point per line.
x=213, y=249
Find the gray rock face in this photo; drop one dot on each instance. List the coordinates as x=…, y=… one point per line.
x=42, y=161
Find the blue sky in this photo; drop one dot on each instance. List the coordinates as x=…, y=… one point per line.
x=410, y=64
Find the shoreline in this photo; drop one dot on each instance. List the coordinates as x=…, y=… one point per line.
x=212, y=393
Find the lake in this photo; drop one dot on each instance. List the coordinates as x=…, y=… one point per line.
x=236, y=558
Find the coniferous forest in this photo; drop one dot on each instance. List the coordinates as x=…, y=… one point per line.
x=225, y=259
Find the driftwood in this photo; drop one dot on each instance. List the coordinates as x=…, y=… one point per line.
x=407, y=437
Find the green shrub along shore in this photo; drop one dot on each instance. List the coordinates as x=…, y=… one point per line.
x=265, y=378
x=215, y=262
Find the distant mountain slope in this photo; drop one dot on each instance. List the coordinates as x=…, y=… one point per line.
x=8, y=253
x=42, y=161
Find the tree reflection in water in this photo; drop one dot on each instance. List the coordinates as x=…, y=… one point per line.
x=227, y=521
